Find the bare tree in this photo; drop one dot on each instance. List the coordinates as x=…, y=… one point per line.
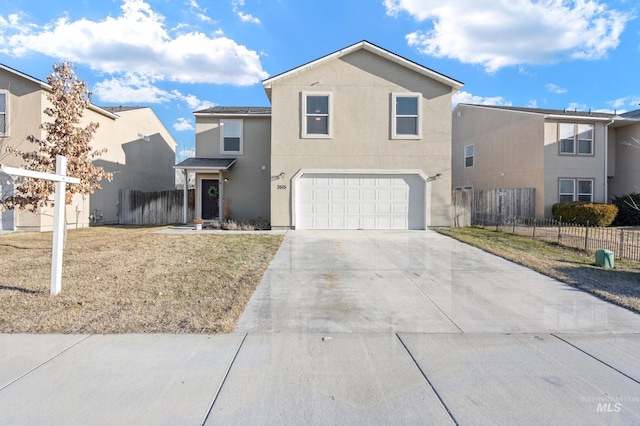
x=64, y=136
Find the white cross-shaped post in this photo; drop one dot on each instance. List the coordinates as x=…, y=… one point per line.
x=61, y=179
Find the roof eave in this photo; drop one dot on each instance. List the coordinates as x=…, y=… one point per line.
x=454, y=84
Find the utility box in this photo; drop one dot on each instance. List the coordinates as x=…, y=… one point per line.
x=605, y=259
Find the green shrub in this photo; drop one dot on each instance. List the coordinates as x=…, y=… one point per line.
x=628, y=209
x=583, y=212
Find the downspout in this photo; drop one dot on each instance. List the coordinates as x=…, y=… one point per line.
x=606, y=160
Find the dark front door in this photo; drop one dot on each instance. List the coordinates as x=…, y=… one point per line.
x=210, y=192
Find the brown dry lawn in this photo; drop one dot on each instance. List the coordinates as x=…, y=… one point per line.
x=572, y=266
x=131, y=280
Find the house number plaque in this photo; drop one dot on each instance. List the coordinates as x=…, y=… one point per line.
x=282, y=186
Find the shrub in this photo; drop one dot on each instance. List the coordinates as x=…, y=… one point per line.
x=628, y=209
x=583, y=213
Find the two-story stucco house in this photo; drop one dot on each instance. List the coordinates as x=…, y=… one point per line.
x=140, y=151
x=565, y=155
x=357, y=139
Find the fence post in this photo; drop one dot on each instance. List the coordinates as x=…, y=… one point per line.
x=514, y=224
x=534, y=228
x=586, y=237
x=621, y=243
x=560, y=229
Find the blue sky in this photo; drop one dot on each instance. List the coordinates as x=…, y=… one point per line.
x=178, y=56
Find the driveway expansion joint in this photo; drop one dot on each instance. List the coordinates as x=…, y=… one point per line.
x=435, y=391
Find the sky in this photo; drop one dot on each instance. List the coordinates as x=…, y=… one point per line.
x=179, y=56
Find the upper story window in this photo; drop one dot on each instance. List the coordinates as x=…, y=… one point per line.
x=405, y=120
x=231, y=137
x=576, y=139
x=316, y=115
x=575, y=190
x=468, y=156
x=4, y=120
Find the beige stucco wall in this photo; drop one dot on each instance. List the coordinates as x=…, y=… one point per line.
x=136, y=163
x=146, y=166
x=514, y=149
x=626, y=178
x=508, y=150
x=361, y=84
x=573, y=166
x=246, y=193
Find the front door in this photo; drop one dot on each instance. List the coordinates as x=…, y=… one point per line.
x=210, y=198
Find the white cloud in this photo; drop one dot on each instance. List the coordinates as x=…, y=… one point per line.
x=554, y=88
x=183, y=125
x=187, y=153
x=137, y=41
x=468, y=98
x=631, y=101
x=496, y=34
x=134, y=88
x=244, y=17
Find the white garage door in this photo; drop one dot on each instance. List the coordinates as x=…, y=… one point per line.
x=354, y=201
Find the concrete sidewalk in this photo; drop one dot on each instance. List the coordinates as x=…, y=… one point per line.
x=310, y=378
x=353, y=328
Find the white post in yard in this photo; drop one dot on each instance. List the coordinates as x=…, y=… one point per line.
x=60, y=178
x=58, y=226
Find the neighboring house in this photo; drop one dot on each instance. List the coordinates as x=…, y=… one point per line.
x=564, y=155
x=140, y=151
x=358, y=139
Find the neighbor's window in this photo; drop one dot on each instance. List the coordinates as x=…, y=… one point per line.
x=568, y=190
x=316, y=115
x=468, y=156
x=585, y=190
x=576, y=137
x=231, y=136
x=405, y=121
x=4, y=122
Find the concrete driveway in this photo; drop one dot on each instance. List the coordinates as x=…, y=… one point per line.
x=415, y=282
x=371, y=328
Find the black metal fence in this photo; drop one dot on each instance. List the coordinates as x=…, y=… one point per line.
x=623, y=242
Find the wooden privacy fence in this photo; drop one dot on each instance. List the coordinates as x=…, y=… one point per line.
x=491, y=204
x=153, y=208
x=624, y=243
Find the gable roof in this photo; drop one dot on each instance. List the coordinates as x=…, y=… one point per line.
x=45, y=86
x=370, y=47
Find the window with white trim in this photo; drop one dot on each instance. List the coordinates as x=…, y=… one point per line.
x=4, y=120
x=405, y=120
x=575, y=139
x=316, y=115
x=468, y=156
x=575, y=190
x=231, y=137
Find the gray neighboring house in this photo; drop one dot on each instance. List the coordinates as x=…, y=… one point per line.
x=357, y=139
x=565, y=155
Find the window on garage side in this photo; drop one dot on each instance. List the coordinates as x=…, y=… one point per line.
x=468, y=156
x=231, y=137
x=405, y=120
x=316, y=115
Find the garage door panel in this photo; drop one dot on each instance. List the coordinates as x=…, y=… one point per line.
x=367, y=201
